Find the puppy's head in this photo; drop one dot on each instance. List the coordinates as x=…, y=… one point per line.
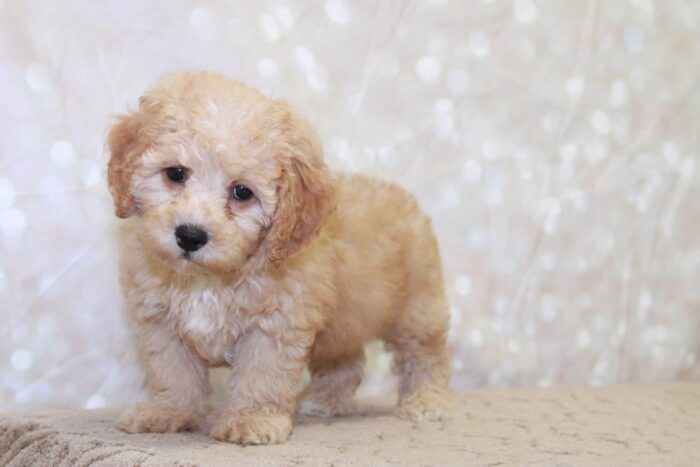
x=217, y=173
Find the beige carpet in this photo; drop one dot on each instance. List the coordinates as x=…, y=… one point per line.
x=623, y=425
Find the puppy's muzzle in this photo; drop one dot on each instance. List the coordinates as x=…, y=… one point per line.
x=190, y=237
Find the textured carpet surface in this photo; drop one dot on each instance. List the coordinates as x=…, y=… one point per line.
x=651, y=425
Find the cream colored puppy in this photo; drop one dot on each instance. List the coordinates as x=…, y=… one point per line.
x=242, y=249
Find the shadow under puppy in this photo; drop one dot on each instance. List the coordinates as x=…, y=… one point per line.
x=243, y=249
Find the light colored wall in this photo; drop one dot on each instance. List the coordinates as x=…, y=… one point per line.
x=554, y=143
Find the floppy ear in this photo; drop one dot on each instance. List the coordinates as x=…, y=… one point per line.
x=305, y=194
x=127, y=142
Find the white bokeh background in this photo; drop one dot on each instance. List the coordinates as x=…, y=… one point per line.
x=555, y=144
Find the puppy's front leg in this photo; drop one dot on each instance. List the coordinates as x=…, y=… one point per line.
x=264, y=380
x=177, y=382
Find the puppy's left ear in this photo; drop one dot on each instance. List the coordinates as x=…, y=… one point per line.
x=306, y=193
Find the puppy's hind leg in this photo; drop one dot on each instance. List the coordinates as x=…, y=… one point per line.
x=333, y=384
x=421, y=358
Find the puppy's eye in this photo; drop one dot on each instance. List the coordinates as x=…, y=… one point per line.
x=176, y=174
x=241, y=193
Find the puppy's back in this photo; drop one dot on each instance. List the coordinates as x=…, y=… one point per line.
x=385, y=249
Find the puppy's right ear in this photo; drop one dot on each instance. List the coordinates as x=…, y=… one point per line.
x=126, y=143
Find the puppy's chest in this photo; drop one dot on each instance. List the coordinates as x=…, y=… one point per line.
x=210, y=321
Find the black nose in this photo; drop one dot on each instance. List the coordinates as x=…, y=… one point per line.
x=190, y=238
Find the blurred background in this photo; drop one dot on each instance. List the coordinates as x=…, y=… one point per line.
x=554, y=143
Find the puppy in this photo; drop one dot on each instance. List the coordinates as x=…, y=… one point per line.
x=242, y=249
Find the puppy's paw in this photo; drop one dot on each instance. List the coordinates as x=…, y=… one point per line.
x=326, y=408
x=419, y=413
x=253, y=429
x=425, y=404
x=155, y=418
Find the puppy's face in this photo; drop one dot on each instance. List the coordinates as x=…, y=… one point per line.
x=215, y=172
x=205, y=199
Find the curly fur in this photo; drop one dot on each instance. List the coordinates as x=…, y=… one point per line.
x=305, y=273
